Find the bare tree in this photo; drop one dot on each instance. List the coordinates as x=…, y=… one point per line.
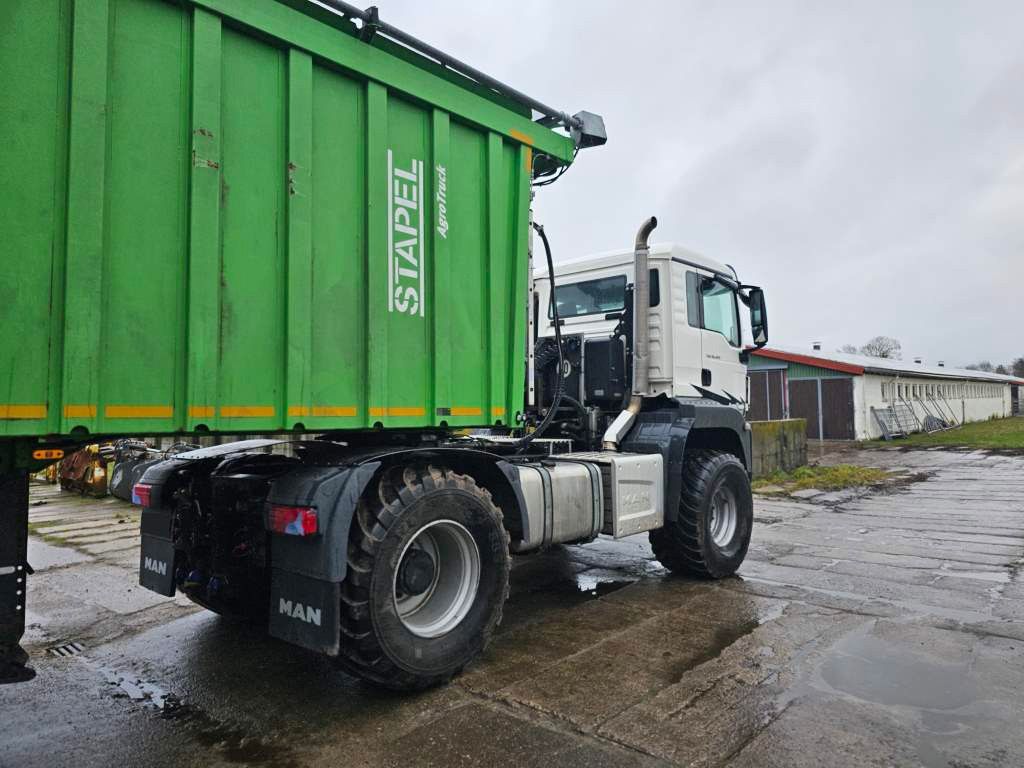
x=1018, y=367
x=1002, y=369
x=848, y=349
x=985, y=366
x=882, y=346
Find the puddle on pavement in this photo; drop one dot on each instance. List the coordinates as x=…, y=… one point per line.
x=566, y=589
x=558, y=578
x=877, y=671
x=936, y=693
x=724, y=635
x=232, y=742
x=721, y=639
x=599, y=584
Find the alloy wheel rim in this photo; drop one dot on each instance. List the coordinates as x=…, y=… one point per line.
x=456, y=579
x=724, y=516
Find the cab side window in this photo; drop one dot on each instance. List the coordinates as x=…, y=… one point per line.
x=712, y=306
x=719, y=310
x=693, y=299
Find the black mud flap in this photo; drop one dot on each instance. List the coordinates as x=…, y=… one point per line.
x=304, y=611
x=156, y=565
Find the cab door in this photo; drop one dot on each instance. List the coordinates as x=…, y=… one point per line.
x=722, y=371
x=687, y=358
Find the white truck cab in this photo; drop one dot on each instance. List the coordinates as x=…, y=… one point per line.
x=696, y=343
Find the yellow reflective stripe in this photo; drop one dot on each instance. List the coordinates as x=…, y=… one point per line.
x=334, y=410
x=458, y=410
x=497, y=411
x=322, y=410
x=79, y=411
x=399, y=411
x=246, y=411
x=201, y=411
x=139, y=411
x=22, y=411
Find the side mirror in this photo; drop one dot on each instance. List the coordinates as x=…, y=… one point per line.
x=758, y=317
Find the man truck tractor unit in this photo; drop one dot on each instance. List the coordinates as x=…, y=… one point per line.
x=273, y=217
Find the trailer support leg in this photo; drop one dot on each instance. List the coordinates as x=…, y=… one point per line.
x=14, y=570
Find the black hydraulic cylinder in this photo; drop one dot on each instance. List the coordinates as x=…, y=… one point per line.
x=14, y=570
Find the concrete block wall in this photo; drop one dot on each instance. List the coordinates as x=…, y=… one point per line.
x=778, y=445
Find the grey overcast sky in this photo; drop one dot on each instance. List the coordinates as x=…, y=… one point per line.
x=863, y=161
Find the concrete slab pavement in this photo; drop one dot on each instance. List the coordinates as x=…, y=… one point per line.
x=882, y=628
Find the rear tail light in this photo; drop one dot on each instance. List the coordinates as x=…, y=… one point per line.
x=141, y=494
x=294, y=521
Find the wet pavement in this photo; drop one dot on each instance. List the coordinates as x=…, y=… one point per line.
x=881, y=627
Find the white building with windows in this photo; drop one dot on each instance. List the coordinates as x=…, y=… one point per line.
x=845, y=397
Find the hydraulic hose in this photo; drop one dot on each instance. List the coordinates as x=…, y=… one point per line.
x=559, y=386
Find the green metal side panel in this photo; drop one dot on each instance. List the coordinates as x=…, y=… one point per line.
x=794, y=370
x=231, y=216
x=801, y=371
x=33, y=157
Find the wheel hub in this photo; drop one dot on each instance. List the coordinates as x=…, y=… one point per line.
x=416, y=573
x=436, y=582
x=724, y=516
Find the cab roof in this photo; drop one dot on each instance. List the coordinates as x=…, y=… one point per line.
x=658, y=252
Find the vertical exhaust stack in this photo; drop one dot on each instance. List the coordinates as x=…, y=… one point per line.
x=641, y=308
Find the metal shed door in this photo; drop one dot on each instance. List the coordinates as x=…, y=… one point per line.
x=803, y=404
x=766, y=401
x=837, y=409
x=834, y=420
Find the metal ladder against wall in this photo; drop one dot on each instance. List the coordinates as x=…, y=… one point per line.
x=888, y=423
x=953, y=419
x=898, y=419
x=931, y=422
x=943, y=416
x=906, y=416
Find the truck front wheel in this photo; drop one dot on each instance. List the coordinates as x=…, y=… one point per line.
x=710, y=535
x=428, y=566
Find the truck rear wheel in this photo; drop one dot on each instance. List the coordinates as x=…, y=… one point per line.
x=710, y=535
x=428, y=566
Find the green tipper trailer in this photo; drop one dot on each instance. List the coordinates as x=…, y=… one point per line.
x=238, y=216
x=253, y=216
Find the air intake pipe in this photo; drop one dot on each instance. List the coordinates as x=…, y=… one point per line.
x=641, y=309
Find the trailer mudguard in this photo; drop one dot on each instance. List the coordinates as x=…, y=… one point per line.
x=335, y=493
x=674, y=426
x=307, y=571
